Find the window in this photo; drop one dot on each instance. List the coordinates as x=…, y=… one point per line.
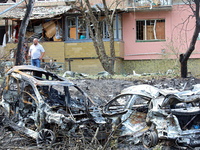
x=77, y=28
x=71, y=22
x=82, y=28
x=6, y=1
x=150, y=30
x=198, y=38
x=130, y=3
x=117, y=27
x=104, y=28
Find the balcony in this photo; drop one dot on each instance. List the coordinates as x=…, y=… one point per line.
x=148, y=5
x=53, y=2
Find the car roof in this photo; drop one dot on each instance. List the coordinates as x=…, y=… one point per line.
x=27, y=67
x=21, y=70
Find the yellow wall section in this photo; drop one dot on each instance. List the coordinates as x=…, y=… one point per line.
x=88, y=66
x=55, y=50
x=60, y=50
x=78, y=50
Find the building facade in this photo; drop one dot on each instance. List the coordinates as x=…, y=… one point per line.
x=149, y=35
x=155, y=34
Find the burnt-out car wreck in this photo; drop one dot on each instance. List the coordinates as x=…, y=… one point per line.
x=47, y=108
x=150, y=115
x=174, y=116
x=36, y=102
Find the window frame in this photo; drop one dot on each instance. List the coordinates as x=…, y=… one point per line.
x=150, y=40
x=87, y=38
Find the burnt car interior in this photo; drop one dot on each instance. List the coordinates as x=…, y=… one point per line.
x=121, y=103
x=57, y=97
x=187, y=113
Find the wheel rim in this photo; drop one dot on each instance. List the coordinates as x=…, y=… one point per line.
x=150, y=139
x=45, y=137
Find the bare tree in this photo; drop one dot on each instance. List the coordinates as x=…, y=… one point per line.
x=93, y=17
x=22, y=31
x=184, y=57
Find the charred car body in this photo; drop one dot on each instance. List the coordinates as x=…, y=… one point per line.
x=174, y=116
x=149, y=115
x=128, y=111
x=35, y=101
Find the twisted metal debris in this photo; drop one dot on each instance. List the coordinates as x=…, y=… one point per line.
x=57, y=113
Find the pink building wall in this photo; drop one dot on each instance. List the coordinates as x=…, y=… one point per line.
x=177, y=35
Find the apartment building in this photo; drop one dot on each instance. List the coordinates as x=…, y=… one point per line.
x=149, y=34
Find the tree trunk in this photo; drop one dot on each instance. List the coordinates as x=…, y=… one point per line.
x=184, y=57
x=183, y=67
x=106, y=62
x=109, y=20
x=22, y=32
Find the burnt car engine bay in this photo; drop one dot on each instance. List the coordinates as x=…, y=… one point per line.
x=51, y=109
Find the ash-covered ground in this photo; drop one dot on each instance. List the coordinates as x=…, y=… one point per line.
x=103, y=90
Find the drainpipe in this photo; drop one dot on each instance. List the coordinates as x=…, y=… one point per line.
x=11, y=7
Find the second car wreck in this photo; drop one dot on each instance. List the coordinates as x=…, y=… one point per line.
x=47, y=108
x=175, y=116
x=150, y=115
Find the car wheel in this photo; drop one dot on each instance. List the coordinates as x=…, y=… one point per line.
x=150, y=139
x=45, y=137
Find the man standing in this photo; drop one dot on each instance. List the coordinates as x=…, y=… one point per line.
x=36, y=52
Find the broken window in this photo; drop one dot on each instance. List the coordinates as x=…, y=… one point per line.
x=150, y=30
x=82, y=28
x=71, y=22
x=77, y=28
x=6, y=1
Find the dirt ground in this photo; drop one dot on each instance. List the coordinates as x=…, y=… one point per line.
x=101, y=91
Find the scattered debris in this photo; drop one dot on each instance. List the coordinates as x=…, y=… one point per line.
x=4, y=66
x=103, y=73
x=69, y=73
x=135, y=74
x=169, y=72
x=56, y=112
x=74, y=74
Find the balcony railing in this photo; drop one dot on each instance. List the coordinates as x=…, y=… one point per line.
x=148, y=3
